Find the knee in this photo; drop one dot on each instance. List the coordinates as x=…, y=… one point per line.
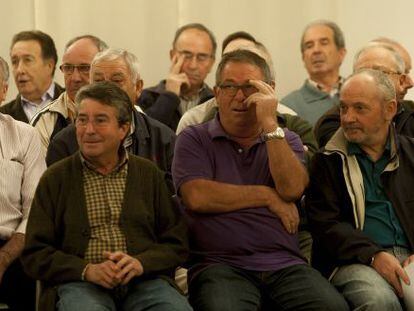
x=379, y=298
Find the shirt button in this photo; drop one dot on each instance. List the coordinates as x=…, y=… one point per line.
x=240, y=150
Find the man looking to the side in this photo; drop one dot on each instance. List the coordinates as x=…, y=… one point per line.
x=33, y=57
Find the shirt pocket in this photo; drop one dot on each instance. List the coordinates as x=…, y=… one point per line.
x=11, y=181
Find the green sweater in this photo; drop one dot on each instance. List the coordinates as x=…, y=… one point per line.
x=58, y=230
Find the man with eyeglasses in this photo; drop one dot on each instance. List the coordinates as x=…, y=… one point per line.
x=386, y=59
x=192, y=56
x=103, y=233
x=33, y=58
x=238, y=176
x=76, y=62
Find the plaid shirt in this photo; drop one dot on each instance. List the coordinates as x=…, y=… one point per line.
x=104, y=196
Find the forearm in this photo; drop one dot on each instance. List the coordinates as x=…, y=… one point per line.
x=12, y=249
x=206, y=196
x=288, y=173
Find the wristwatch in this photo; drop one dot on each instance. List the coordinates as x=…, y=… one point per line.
x=278, y=133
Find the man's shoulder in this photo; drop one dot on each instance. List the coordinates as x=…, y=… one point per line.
x=15, y=127
x=153, y=126
x=14, y=108
x=55, y=108
x=198, y=114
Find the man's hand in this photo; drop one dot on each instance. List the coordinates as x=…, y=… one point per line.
x=409, y=260
x=176, y=79
x=103, y=274
x=265, y=102
x=287, y=212
x=128, y=267
x=390, y=269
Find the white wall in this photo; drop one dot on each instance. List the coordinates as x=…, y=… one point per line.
x=146, y=27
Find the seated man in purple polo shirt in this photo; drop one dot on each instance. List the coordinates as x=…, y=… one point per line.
x=238, y=177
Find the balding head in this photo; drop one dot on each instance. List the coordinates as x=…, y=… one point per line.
x=385, y=59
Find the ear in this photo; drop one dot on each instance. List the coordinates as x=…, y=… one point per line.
x=5, y=87
x=391, y=109
x=50, y=63
x=124, y=130
x=342, y=54
x=172, y=53
x=216, y=91
x=138, y=87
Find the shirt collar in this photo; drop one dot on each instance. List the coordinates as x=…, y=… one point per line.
x=48, y=95
x=123, y=159
x=355, y=149
x=335, y=88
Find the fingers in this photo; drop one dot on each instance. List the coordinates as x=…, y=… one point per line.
x=177, y=63
x=403, y=275
x=408, y=261
x=262, y=86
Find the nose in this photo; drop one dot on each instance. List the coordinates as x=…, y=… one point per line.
x=76, y=76
x=347, y=116
x=192, y=63
x=89, y=128
x=19, y=66
x=239, y=96
x=408, y=82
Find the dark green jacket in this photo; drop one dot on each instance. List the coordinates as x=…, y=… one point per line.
x=58, y=230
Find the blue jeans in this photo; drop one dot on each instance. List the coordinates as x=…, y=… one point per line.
x=299, y=287
x=365, y=289
x=154, y=295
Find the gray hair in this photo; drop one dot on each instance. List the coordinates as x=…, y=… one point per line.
x=4, y=67
x=337, y=33
x=398, y=61
x=112, y=54
x=381, y=81
x=109, y=94
x=100, y=44
x=244, y=56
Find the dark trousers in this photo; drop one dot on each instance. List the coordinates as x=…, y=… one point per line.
x=17, y=290
x=298, y=287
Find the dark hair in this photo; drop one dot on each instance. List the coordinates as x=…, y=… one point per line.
x=237, y=35
x=110, y=94
x=200, y=27
x=338, y=35
x=243, y=56
x=100, y=45
x=46, y=43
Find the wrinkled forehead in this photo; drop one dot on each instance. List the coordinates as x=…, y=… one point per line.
x=109, y=68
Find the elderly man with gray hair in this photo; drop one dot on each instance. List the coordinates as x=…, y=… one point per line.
x=4, y=79
x=386, y=59
x=146, y=137
x=360, y=197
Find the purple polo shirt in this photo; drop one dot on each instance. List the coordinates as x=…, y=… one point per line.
x=251, y=238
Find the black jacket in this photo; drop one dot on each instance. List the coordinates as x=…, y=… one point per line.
x=336, y=221
x=15, y=108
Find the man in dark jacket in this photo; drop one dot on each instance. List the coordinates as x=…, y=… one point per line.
x=192, y=56
x=388, y=59
x=147, y=137
x=33, y=57
x=360, y=197
x=103, y=232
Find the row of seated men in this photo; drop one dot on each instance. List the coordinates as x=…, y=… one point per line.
x=103, y=232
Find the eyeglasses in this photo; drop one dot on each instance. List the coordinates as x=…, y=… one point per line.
x=386, y=71
x=99, y=122
x=232, y=89
x=68, y=69
x=200, y=57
